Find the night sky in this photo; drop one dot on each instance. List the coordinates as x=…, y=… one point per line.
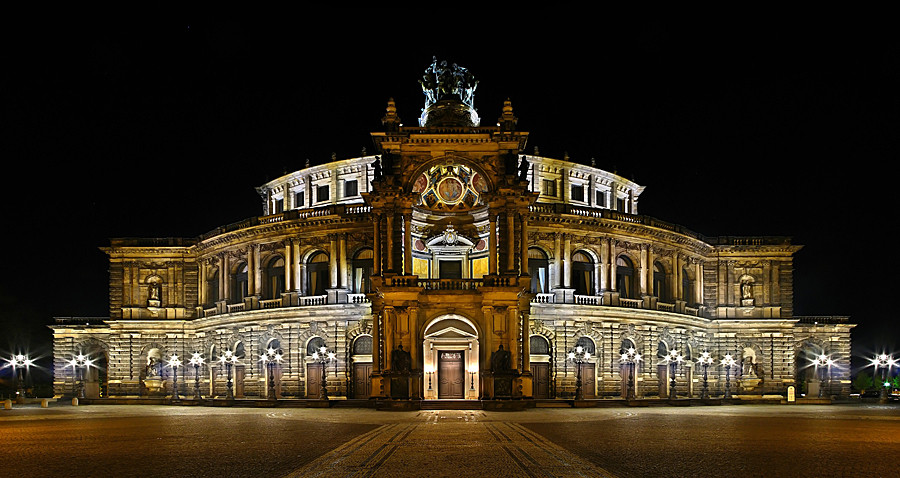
x=158, y=129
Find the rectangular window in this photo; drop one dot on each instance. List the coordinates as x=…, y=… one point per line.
x=322, y=193
x=298, y=200
x=351, y=189
x=620, y=205
x=279, y=206
x=577, y=193
x=601, y=199
x=550, y=188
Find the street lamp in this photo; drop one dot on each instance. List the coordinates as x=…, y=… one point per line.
x=728, y=362
x=270, y=358
x=473, y=369
x=80, y=362
x=822, y=361
x=18, y=362
x=705, y=360
x=884, y=362
x=323, y=356
x=630, y=359
x=673, y=359
x=174, y=362
x=197, y=362
x=429, y=371
x=579, y=356
x=228, y=359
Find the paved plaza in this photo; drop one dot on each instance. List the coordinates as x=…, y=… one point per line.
x=731, y=440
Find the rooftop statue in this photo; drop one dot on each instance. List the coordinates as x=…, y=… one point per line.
x=449, y=82
x=441, y=81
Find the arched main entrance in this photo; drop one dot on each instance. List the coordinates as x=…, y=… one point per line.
x=450, y=352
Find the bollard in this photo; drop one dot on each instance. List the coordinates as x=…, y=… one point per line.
x=45, y=403
x=74, y=401
x=7, y=404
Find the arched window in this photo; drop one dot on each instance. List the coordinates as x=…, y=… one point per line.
x=686, y=290
x=662, y=351
x=660, y=284
x=539, y=345
x=362, y=271
x=625, y=277
x=317, y=274
x=239, y=283
x=212, y=287
x=314, y=345
x=537, y=269
x=587, y=344
x=362, y=345
x=275, y=278
x=582, y=273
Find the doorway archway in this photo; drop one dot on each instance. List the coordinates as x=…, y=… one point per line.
x=450, y=352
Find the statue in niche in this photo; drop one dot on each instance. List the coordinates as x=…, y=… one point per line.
x=154, y=291
x=746, y=290
x=400, y=360
x=154, y=367
x=500, y=361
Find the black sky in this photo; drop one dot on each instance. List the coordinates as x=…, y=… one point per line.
x=164, y=128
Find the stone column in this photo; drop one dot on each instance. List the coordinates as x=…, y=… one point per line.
x=342, y=260
x=676, y=277
x=524, y=240
x=288, y=266
x=612, y=266
x=604, y=265
x=698, y=283
x=389, y=241
x=567, y=263
x=767, y=282
x=224, y=279
x=557, y=262
x=643, y=267
x=492, y=243
x=333, y=260
x=376, y=243
x=302, y=281
x=407, y=243
x=298, y=272
x=510, y=241
x=201, y=284
x=729, y=277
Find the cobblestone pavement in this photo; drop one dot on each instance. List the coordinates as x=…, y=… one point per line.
x=450, y=444
x=745, y=440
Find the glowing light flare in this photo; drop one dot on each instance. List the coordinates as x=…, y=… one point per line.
x=705, y=359
x=174, y=361
x=196, y=359
x=674, y=356
x=728, y=361
x=228, y=358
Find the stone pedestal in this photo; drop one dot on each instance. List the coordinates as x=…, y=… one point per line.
x=156, y=386
x=503, y=384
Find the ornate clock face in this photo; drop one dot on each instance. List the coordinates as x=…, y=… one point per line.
x=452, y=186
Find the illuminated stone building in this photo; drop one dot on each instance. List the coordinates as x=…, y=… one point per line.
x=450, y=264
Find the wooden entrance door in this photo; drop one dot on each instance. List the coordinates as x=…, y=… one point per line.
x=451, y=376
x=362, y=386
x=588, y=389
x=313, y=380
x=541, y=376
x=239, y=373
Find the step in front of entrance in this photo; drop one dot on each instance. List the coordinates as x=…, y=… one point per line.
x=452, y=405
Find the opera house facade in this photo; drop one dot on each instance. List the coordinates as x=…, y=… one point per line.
x=451, y=265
